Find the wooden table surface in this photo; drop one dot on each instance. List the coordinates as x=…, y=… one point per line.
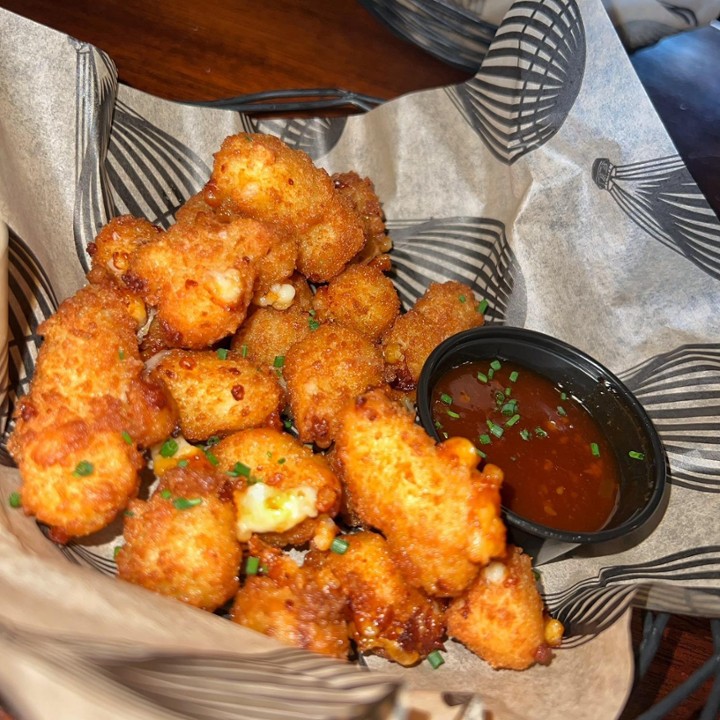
x=211, y=49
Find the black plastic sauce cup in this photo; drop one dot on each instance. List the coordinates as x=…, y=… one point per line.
x=626, y=426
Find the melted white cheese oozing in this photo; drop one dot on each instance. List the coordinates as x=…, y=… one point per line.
x=263, y=508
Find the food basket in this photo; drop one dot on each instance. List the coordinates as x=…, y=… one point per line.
x=465, y=181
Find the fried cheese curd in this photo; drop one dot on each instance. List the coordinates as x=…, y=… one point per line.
x=287, y=603
x=181, y=542
x=444, y=309
x=388, y=617
x=115, y=243
x=325, y=371
x=218, y=392
x=200, y=277
x=273, y=269
x=283, y=491
x=268, y=333
x=361, y=298
x=261, y=177
x=501, y=616
x=361, y=194
x=89, y=409
x=439, y=513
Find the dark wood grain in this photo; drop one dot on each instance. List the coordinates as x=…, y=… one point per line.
x=210, y=49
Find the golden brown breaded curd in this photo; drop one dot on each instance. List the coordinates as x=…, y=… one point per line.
x=501, y=616
x=200, y=277
x=273, y=269
x=78, y=477
x=388, y=617
x=327, y=247
x=323, y=372
x=286, y=602
x=115, y=243
x=361, y=298
x=283, y=489
x=439, y=513
x=88, y=409
x=218, y=392
x=268, y=333
x=361, y=193
x=181, y=542
x=261, y=177
x=445, y=309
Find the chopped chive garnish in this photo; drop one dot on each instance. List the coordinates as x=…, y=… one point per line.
x=525, y=434
x=182, y=503
x=509, y=408
x=481, y=453
x=462, y=298
x=447, y=399
x=313, y=324
x=182, y=463
x=594, y=449
x=279, y=361
x=485, y=439
x=482, y=306
x=512, y=420
x=129, y=513
x=121, y=354
x=239, y=469
x=127, y=437
x=252, y=565
x=116, y=551
x=212, y=440
x=435, y=659
x=438, y=424
x=536, y=575
x=495, y=364
x=339, y=546
x=482, y=377
x=165, y=494
x=514, y=376
x=312, y=313
x=222, y=353
x=212, y=459
x=508, y=391
x=15, y=500
x=490, y=374
x=453, y=414
x=635, y=455
x=563, y=396
x=540, y=432
x=281, y=461
x=499, y=397
x=495, y=429
x=561, y=410
x=83, y=469
x=169, y=448
x=287, y=423
x=244, y=351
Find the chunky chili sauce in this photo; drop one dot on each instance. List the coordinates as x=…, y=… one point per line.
x=559, y=469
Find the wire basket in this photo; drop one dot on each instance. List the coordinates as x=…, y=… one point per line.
x=444, y=29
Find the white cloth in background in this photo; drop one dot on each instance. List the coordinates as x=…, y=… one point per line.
x=638, y=22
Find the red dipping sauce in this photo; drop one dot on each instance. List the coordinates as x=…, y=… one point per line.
x=559, y=469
